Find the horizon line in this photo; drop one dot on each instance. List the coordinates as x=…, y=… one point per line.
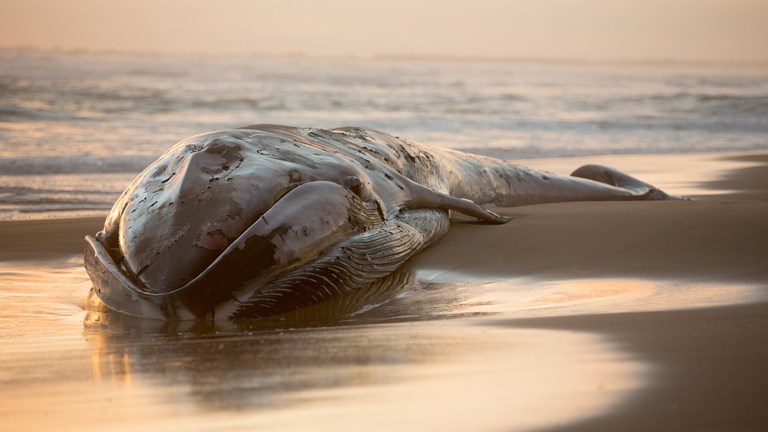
x=459, y=58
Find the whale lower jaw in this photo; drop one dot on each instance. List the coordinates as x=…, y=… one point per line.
x=350, y=264
x=115, y=288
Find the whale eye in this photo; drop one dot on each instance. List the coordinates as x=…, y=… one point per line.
x=294, y=176
x=354, y=184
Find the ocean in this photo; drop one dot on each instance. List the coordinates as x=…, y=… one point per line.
x=76, y=127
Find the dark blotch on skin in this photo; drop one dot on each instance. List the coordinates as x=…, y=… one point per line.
x=230, y=273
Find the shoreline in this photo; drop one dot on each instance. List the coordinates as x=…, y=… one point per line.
x=21, y=239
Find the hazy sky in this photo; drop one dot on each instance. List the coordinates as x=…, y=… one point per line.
x=721, y=30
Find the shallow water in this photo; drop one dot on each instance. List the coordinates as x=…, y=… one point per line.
x=428, y=356
x=67, y=366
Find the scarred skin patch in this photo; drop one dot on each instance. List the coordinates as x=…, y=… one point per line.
x=217, y=235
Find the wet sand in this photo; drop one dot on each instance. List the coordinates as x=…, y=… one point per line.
x=574, y=316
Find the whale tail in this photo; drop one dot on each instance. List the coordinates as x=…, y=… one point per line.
x=614, y=177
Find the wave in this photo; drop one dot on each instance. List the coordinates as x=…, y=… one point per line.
x=92, y=106
x=534, y=152
x=74, y=165
x=115, y=104
x=63, y=199
x=152, y=73
x=18, y=113
x=708, y=103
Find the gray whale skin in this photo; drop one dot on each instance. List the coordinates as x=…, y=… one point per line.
x=265, y=219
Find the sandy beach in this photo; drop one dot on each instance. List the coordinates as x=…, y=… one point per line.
x=573, y=316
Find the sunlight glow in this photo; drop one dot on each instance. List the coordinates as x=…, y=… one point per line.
x=680, y=30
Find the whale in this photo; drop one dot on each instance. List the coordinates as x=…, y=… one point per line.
x=265, y=219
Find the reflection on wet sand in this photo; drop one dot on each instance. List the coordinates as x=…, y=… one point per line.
x=260, y=362
x=250, y=364
x=416, y=351
x=383, y=358
x=444, y=374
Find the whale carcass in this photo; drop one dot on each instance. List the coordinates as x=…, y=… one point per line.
x=265, y=219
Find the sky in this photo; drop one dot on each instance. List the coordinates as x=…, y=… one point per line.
x=681, y=30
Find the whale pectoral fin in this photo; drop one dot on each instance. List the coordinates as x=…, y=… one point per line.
x=351, y=264
x=470, y=208
x=423, y=197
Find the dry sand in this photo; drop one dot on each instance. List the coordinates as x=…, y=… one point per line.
x=700, y=332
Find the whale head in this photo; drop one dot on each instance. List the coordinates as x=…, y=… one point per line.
x=221, y=213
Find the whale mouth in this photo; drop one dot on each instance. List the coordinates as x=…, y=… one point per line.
x=302, y=224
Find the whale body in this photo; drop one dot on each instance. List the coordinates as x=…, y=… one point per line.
x=265, y=219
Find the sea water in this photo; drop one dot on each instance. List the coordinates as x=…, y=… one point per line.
x=75, y=128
